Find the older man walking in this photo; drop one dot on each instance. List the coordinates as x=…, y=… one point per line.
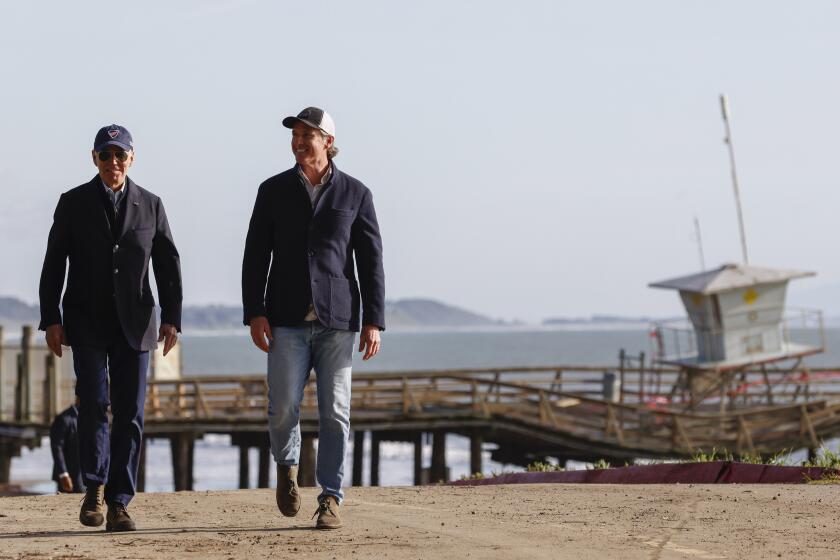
x=109, y=229
x=301, y=300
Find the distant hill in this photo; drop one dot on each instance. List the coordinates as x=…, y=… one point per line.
x=14, y=310
x=404, y=313
x=598, y=320
x=431, y=313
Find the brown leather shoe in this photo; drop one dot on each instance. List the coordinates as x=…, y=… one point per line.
x=288, y=496
x=93, y=506
x=118, y=519
x=327, y=513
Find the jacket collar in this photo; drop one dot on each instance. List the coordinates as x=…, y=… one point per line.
x=334, y=182
x=132, y=202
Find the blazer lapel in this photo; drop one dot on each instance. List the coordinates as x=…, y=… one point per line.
x=95, y=190
x=132, y=203
x=326, y=190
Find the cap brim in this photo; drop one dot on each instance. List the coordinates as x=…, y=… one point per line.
x=290, y=122
x=125, y=147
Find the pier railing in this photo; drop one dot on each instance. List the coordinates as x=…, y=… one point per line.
x=527, y=399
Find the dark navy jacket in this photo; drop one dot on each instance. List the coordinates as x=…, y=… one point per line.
x=311, y=252
x=108, y=276
x=64, y=443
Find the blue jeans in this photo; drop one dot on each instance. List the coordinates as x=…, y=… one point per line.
x=111, y=458
x=294, y=352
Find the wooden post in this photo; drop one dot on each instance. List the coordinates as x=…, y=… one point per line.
x=2, y=373
x=141, y=469
x=262, y=473
x=475, y=454
x=182, y=446
x=621, y=374
x=358, y=456
x=244, y=466
x=641, y=377
x=25, y=374
x=418, y=459
x=18, y=412
x=374, y=459
x=557, y=384
x=437, y=472
x=50, y=396
x=307, y=463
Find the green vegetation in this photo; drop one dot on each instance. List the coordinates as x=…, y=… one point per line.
x=824, y=458
x=476, y=476
x=601, y=464
x=543, y=467
x=780, y=459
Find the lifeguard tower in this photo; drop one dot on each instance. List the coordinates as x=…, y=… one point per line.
x=737, y=321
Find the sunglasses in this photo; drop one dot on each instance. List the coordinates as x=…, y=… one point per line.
x=121, y=155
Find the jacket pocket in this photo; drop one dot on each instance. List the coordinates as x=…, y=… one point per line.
x=340, y=299
x=342, y=212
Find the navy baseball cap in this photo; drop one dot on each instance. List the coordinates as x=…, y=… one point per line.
x=113, y=135
x=314, y=117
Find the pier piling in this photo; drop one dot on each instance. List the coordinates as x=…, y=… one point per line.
x=183, y=446
x=7, y=451
x=476, y=442
x=265, y=461
x=141, y=470
x=374, y=458
x=244, y=466
x=438, y=468
x=306, y=468
x=418, y=458
x=358, y=456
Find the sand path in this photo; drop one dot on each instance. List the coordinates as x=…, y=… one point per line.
x=517, y=521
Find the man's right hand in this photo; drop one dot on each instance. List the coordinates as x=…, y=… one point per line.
x=261, y=332
x=55, y=338
x=65, y=482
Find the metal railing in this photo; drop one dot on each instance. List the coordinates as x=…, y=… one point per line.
x=678, y=341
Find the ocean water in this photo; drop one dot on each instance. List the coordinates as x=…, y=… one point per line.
x=217, y=463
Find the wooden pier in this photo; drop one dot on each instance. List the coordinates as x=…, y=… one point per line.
x=520, y=415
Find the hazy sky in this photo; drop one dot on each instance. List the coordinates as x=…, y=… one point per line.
x=527, y=159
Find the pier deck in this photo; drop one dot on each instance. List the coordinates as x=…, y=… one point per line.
x=524, y=414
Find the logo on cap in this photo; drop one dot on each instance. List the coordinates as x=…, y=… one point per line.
x=113, y=133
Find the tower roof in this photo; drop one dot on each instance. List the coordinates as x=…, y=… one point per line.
x=729, y=277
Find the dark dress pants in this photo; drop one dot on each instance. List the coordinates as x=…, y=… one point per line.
x=111, y=460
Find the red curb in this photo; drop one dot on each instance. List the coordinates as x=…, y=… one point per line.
x=716, y=472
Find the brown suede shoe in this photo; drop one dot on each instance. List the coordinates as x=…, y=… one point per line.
x=93, y=506
x=327, y=513
x=288, y=496
x=118, y=519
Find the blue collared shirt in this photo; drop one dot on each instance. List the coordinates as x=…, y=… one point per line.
x=114, y=195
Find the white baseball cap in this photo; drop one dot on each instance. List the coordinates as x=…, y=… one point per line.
x=314, y=117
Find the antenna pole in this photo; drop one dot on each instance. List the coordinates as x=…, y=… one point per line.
x=724, y=106
x=699, y=243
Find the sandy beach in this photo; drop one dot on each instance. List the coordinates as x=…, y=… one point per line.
x=517, y=521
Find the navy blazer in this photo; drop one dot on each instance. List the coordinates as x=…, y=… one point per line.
x=110, y=271
x=311, y=254
x=64, y=444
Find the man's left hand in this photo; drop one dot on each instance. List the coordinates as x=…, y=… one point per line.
x=369, y=341
x=169, y=334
